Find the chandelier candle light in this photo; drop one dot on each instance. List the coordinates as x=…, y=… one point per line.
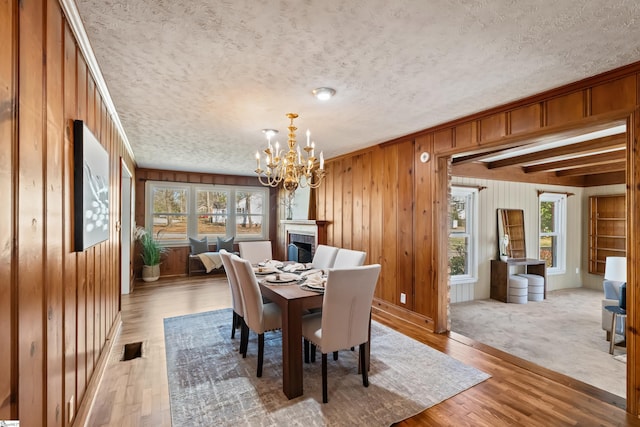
x=290, y=168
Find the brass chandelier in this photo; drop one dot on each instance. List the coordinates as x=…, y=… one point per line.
x=290, y=168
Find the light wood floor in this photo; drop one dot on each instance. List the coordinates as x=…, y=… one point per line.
x=135, y=392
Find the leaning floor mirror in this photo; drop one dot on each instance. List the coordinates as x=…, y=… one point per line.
x=511, y=242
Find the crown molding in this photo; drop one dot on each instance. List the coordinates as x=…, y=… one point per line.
x=73, y=18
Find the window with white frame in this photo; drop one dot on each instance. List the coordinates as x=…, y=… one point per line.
x=553, y=231
x=177, y=211
x=463, y=248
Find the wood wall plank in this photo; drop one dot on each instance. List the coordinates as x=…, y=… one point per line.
x=365, y=200
x=54, y=184
x=70, y=257
x=423, y=226
x=390, y=224
x=338, y=188
x=357, y=190
x=328, y=201
x=8, y=143
x=376, y=215
x=347, y=203
x=405, y=254
x=30, y=221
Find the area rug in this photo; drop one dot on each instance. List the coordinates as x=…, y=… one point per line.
x=211, y=384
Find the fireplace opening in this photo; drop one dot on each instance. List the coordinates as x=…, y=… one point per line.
x=299, y=252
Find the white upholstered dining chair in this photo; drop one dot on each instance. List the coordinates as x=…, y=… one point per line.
x=345, y=317
x=324, y=256
x=347, y=258
x=258, y=316
x=255, y=252
x=236, y=297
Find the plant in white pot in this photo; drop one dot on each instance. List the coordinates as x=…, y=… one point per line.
x=151, y=252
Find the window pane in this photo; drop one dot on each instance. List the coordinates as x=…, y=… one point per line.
x=458, y=213
x=458, y=256
x=549, y=250
x=212, y=202
x=169, y=200
x=170, y=227
x=248, y=225
x=212, y=224
x=547, y=217
x=249, y=202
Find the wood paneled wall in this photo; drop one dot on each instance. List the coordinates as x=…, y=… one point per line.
x=57, y=306
x=176, y=262
x=404, y=227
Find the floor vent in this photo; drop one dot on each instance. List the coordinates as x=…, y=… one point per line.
x=132, y=351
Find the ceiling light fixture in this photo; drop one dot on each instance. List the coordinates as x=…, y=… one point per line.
x=323, y=93
x=290, y=168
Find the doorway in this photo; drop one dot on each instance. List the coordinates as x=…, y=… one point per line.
x=125, y=229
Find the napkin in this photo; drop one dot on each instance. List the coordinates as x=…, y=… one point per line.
x=316, y=280
x=271, y=263
x=311, y=272
x=296, y=266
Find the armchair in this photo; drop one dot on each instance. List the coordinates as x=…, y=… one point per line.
x=615, y=276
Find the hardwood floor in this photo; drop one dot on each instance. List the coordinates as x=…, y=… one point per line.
x=135, y=392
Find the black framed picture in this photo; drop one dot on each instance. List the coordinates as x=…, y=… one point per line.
x=91, y=188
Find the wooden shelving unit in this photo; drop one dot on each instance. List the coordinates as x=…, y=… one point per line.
x=607, y=230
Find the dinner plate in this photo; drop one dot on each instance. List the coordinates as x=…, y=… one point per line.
x=265, y=270
x=273, y=279
x=317, y=286
x=303, y=286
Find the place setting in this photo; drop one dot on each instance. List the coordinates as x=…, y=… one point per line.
x=315, y=282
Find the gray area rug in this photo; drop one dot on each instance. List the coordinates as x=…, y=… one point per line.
x=562, y=333
x=210, y=384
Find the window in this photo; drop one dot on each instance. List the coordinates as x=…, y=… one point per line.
x=176, y=211
x=462, y=241
x=553, y=231
x=169, y=212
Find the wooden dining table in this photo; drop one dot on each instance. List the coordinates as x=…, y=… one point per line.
x=292, y=300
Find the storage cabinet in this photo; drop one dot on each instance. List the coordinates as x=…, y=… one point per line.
x=607, y=230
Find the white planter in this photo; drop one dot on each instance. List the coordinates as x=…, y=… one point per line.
x=150, y=273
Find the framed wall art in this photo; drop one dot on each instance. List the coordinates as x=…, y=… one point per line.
x=91, y=188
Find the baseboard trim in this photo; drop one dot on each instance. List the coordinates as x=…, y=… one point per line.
x=84, y=410
x=393, y=312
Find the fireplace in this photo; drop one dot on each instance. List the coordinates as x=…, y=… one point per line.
x=299, y=252
x=301, y=247
x=305, y=235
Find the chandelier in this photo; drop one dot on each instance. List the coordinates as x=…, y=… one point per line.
x=290, y=168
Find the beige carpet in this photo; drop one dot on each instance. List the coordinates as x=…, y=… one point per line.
x=210, y=384
x=562, y=333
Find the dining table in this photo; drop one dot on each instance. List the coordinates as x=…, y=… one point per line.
x=293, y=301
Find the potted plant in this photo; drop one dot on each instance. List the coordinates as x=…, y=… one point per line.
x=151, y=252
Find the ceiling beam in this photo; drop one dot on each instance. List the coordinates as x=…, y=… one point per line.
x=590, y=170
x=596, y=159
x=613, y=141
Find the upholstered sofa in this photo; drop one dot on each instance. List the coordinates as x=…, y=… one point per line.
x=611, y=297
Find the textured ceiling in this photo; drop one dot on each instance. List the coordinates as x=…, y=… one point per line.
x=195, y=82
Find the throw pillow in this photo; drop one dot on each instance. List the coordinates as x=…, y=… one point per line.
x=199, y=246
x=226, y=244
